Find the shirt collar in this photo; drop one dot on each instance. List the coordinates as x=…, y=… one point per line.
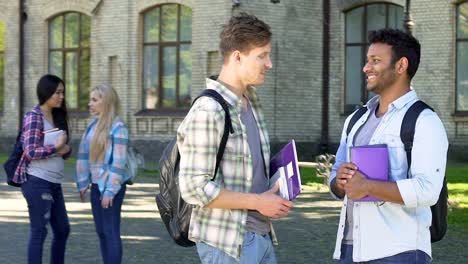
x=230, y=97
x=398, y=103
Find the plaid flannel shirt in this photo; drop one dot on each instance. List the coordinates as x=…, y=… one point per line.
x=32, y=138
x=198, y=139
x=113, y=172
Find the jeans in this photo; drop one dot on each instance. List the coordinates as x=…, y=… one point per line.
x=45, y=205
x=256, y=248
x=107, y=223
x=413, y=257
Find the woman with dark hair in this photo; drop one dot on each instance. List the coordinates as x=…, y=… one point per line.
x=40, y=171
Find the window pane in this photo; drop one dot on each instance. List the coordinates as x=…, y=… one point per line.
x=85, y=30
x=462, y=76
x=395, y=16
x=376, y=18
x=185, y=75
x=55, y=63
x=169, y=22
x=71, y=79
x=151, y=76
x=84, y=79
x=152, y=25
x=2, y=79
x=354, y=25
x=169, y=77
x=55, y=33
x=72, y=22
x=185, y=24
x=462, y=21
x=354, y=79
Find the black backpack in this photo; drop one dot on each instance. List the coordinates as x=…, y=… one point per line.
x=174, y=211
x=439, y=210
x=13, y=160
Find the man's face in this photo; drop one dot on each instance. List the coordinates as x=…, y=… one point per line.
x=380, y=73
x=254, y=65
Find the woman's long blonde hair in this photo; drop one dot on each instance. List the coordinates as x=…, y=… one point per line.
x=111, y=109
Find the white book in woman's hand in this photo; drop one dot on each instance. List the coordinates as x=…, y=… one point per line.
x=51, y=136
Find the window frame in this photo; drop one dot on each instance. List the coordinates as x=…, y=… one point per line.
x=463, y=113
x=64, y=51
x=179, y=108
x=364, y=44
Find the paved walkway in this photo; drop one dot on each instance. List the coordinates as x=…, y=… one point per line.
x=306, y=236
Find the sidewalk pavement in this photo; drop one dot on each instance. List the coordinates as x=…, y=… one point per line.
x=307, y=235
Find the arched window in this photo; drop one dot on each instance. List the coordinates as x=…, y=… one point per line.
x=2, y=64
x=462, y=59
x=69, y=56
x=167, y=57
x=359, y=21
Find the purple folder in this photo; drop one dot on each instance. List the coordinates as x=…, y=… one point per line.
x=286, y=160
x=372, y=161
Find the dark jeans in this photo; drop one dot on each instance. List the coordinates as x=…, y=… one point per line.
x=45, y=205
x=413, y=257
x=107, y=222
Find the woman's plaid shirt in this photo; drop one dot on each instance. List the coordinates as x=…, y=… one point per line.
x=198, y=139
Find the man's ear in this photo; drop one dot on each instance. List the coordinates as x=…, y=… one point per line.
x=236, y=56
x=402, y=65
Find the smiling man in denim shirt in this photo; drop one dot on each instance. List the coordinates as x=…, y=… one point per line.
x=397, y=230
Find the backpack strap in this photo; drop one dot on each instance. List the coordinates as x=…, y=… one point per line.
x=408, y=126
x=227, y=124
x=358, y=114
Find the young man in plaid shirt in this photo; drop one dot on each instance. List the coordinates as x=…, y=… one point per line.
x=231, y=219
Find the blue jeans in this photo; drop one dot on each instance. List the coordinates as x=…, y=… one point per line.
x=45, y=205
x=107, y=223
x=413, y=257
x=255, y=249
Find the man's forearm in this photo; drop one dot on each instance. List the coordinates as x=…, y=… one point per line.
x=227, y=199
x=386, y=191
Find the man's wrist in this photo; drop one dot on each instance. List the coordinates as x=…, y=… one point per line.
x=334, y=188
x=254, y=201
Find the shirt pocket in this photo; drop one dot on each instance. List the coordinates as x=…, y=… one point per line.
x=396, y=152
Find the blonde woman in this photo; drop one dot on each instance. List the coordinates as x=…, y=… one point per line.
x=101, y=164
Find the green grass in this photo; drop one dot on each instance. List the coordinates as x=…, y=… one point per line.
x=457, y=177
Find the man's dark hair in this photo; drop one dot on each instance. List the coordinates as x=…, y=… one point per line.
x=243, y=32
x=403, y=45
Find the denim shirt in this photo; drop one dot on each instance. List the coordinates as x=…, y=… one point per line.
x=113, y=173
x=382, y=230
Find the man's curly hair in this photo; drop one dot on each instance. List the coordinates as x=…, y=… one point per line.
x=403, y=45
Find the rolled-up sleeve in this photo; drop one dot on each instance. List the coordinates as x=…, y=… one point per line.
x=198, y=139
x=429, y=159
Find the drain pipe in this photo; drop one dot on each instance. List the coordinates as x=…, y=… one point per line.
x=22, y=20
x=325, y=77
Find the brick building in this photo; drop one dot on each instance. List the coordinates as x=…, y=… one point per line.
x=156, y=53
